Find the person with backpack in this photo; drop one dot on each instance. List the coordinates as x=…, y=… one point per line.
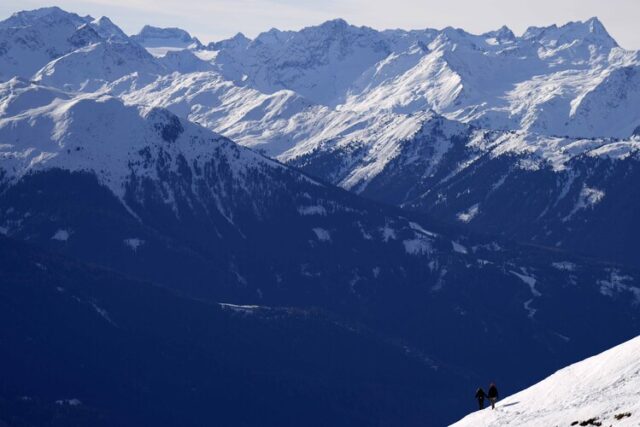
x=493, y=395
x=480, y=395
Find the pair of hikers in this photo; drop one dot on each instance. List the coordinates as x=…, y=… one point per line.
x=492, y=395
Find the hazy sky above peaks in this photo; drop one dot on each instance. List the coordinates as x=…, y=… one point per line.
x=212, y=20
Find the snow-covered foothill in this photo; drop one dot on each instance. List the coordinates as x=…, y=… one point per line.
x=43, y=128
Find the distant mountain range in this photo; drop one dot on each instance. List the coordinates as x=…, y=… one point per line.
x=489, y=225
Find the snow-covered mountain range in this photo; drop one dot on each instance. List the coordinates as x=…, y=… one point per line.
x=602, y=390
x=412, y=118
x=213, y=171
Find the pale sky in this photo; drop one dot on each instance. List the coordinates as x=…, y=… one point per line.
x=212, y=20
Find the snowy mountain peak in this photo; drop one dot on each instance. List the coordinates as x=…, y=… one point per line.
x=328, y=32
x=335, y=24
x=596, y=26
x=591, y=31
x=153, y=37
x=108, y=30
x=32, y=39
x=319, y=62
x=239, y=41
x=43, y=16
x=503, y=34
x=240, y=37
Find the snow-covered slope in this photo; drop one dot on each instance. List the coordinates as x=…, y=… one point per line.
x=184, y=61
x=602, y=390
x=91, y=68
x=543, y=189
x=283, y=124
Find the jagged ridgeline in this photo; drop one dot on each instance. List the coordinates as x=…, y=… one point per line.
x=188, y=204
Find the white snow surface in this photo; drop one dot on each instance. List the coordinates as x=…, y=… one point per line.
x=601, y=387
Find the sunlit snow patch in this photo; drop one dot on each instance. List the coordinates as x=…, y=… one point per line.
x=469, y=214
x=530, y=310
x=70, y=402
x=388, y=233
x=564, y=266
x=529, y=280
x=239, y=308
x=312, y=210
x=417, y=227
x=618, y=283
x=322, y=234
x=61, y=235
x=417, y=246
x=103, y=313
x=134, y=243
x=588, y=198
x=459, y=248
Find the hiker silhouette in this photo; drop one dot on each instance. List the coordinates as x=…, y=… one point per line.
x=493, y=395
x=480, y=395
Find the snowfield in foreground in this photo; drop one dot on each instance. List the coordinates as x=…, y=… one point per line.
x=603, y=390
